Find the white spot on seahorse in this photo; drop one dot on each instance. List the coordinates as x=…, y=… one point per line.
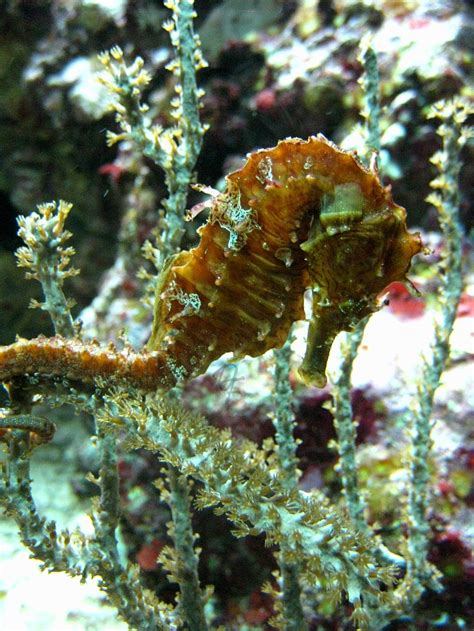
x=230, y=215
x=265, y=170
x=212, y=344
x=280, y=310
x=285, y=255
x=264, y=331
x=178, y=372
x=190, y=301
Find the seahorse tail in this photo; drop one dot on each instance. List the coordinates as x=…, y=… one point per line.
x=85, y=362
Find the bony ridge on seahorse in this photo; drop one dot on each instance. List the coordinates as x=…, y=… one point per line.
x=301, y=215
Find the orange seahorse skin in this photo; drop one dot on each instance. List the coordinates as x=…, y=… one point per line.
x=304, y=214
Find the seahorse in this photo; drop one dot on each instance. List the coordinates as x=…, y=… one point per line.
x=302, y=215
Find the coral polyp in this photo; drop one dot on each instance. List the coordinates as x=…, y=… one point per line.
x=303, y=214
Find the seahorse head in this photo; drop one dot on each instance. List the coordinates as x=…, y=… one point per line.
x=357, y=246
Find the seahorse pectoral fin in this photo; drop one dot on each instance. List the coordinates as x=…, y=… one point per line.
x=321, y=333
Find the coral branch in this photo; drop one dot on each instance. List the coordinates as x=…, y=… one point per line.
x=247, y=489
x=63, y=551
x=290, y=607
x=453, y=115
x=47, y=258
x=346, y=429
x=176, y=148
x=42, y=429
x=371, y=87
x=181, y=563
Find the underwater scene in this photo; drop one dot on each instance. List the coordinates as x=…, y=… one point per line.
x=236, y=315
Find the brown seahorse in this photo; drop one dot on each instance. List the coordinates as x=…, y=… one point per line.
x=303, y=214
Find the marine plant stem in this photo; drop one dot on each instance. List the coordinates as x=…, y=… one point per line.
x=176, y=148
x=346, y=428
x=124, y=592
x=41, y=428
x=370, y=82
x=284, y=423
x=191, y=605
x=109, y=489
x=284, y=418
x=238, y=482
x=46, y=257
x=57, y=305
x=73, y=552
x=446, y=200
x=188, y=60
x=178, y=168
x=350, y=342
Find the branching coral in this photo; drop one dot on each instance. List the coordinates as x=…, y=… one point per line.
x=241, y=482
x=175, y=149
x=454, y=135
x=46, y=257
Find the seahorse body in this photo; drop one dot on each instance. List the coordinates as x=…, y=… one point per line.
x=304, y=214
x=311, y=215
